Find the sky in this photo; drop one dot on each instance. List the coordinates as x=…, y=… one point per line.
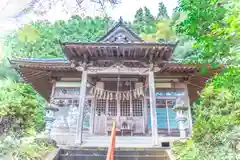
x=126, y=9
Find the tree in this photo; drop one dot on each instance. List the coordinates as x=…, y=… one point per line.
x=43, y=33
x=163, y=31
x=138, y=18
x=162, y=11
x=144, y=21
x=214, y=27
x=22, y=102
x=148, y=17
x=216, y=120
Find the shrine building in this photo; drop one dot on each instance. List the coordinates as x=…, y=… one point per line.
x=119, y=78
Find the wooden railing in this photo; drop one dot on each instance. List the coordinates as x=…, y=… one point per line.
x=110, y=154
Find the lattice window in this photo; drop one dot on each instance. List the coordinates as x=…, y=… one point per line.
x=87, y=114
x=101, y=107
x=112, y=107
x=137, y=107
x=125, y=108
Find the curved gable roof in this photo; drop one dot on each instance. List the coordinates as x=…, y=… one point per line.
x=120, y=33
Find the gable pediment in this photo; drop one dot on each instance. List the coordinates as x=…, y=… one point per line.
x=120, y=33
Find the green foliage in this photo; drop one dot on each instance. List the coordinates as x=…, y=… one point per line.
x=144, y=21
x=43, y=40
x=230, y=79
x=20, y=101
x=162, y=12
x=214, y=27
x=138, y=18
x=148, y=17
x=163, y=32
x=217, y=112
x=190, y=150
x=162, y=29
x=216, y=116
x=6, y=71
x=11, y=147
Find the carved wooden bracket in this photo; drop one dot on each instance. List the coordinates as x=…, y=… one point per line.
x=54, y=79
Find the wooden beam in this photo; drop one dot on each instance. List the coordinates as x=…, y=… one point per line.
x=113, y=70
x=161, y=52
x=118, y=51
x=167, y=74
x=140, y=51
x=74, y=51
x=127, y=58
x=152, y=98
x=123, y=51
x=132, y=45
x=135, y=52
x=81, y=108
x=146, y=52
x=153, y=52
x=89, y=51
x=66, y=74
x=105, y=51
x=101, y=51
x=95, y=51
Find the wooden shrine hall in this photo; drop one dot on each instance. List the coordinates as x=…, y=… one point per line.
x=119, y=78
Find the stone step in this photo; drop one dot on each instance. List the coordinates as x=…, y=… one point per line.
x=136, y=152
x=122, y=157
x=120, y=154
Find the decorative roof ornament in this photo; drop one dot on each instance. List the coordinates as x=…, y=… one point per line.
x=120, y=20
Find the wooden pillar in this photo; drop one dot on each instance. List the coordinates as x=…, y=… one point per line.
x=83, y=88
x=145, y=109
x=152, y=98
x=187, y=102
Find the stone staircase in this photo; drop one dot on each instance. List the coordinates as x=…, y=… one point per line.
x=89, y=153
x=127, y=148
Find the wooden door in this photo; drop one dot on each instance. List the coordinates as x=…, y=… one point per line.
x=100, y=117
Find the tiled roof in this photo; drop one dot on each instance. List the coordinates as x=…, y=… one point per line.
x=38, y=71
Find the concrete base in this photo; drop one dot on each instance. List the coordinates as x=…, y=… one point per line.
x=123, y=142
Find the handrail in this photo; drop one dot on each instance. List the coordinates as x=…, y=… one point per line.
x=110, y=154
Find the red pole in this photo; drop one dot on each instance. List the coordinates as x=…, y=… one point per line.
x=110, y=154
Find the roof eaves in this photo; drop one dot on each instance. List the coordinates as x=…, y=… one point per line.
x=38, y=60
